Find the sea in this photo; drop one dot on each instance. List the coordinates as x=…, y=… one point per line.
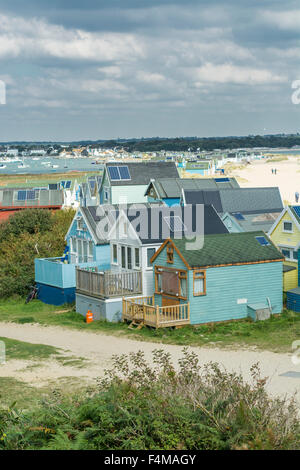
x=48, y=165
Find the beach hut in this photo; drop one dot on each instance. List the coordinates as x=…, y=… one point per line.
x=233, y=276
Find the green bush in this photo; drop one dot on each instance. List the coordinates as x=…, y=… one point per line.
x=141, y=407
x=29, y=234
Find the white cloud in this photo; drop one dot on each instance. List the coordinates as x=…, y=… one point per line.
x=37, y=38
x=228, y=73
x=287, y=20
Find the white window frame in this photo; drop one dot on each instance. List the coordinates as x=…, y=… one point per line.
x=290, y=250
x=287, y=222
x=116, y=263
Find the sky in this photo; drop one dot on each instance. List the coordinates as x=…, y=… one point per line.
x=103, y=69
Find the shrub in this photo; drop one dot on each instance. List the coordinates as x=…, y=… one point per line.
x=42, y=235
x=142, y=407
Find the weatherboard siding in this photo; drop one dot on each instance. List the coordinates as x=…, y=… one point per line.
x=289, y=240
x=129, y=194
x=225, y=285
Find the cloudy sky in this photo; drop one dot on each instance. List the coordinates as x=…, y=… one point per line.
x=99, y=69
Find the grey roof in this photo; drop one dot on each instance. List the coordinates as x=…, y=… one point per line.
x=42, y=197
x=258, y=221
x=142, y=172
x=172, y=188
x=157, y=227
x=244, y=200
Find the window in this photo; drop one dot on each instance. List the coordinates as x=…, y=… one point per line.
x=79, y=224
x=137, y=257
x=295, y=255
x=91, y=250
x=199, y=283
x=123, y=257
x=170, y=254
x=129, y=258
x=115, y=254
x=286, y=253
x=171, y=282
x=287, y=226
x=150, y=253
x=106, y=194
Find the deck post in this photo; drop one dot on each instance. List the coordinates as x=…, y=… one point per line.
x=123, y=308
x=188, y=312
x=157, y=316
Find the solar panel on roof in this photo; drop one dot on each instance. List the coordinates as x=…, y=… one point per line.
x=239, y=216
x=53, y=186
x=30, y=195
x=222, y=180
x=124, y=173
x=175, y=223
x=263, y=241
x=113, y=173
x=21, y=195
x=297, y=210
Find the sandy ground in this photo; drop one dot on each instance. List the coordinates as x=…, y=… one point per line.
x=259, y=173
x=98, y=349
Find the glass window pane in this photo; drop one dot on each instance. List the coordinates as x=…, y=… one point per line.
x=129, y=260
x=137, y=257
x=123, y=257
x=198, y=286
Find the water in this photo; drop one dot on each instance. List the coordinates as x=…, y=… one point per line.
x=56, y=165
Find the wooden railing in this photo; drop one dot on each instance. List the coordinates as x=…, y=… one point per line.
x=143, y=310
x=105, y=284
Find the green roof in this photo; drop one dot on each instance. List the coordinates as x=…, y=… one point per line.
x=229, y=248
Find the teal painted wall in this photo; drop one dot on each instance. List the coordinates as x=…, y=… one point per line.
x=225, y=285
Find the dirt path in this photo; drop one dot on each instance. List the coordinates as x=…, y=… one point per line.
x=98, y=349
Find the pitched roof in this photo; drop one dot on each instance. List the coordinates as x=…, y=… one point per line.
x=244, y=200
x=157, y=220
x=172, y=188
x=229, y=249
x=142, y=172
x=256, y=221
x=26, y=197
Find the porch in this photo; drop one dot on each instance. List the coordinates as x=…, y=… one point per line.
x=143, y=311
x=108, y=284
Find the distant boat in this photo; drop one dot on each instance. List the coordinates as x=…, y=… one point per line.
x=2, y=166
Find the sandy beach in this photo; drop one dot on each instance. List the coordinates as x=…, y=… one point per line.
x=259, y=174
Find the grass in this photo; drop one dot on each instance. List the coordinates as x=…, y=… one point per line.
x=37, y=180
x=27, y=351
x=275, y=334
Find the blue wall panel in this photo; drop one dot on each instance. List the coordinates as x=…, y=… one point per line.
x=54, y=295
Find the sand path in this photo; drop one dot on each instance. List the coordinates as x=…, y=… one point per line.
x=98, y=349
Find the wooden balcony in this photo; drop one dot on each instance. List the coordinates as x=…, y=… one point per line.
x=107, y=284
x=143, y=310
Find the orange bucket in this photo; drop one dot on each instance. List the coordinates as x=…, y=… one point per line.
x=89, y=317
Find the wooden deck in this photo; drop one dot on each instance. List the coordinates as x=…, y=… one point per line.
x=107, y=284
x=142, y=310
